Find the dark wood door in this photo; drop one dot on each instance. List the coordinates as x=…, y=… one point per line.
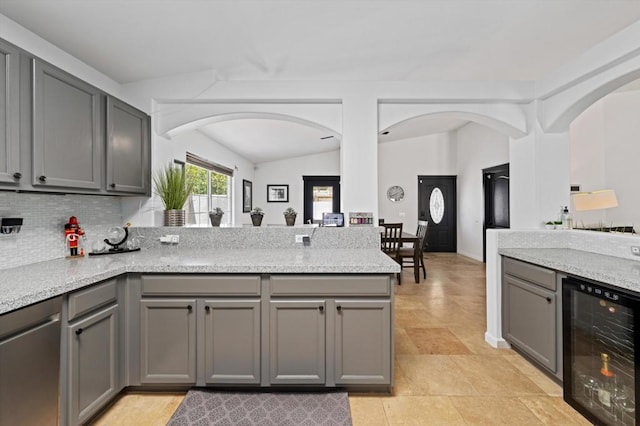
x=437, y=205
x=321, y=195
x=495, y=181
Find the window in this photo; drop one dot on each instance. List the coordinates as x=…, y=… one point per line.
x=211, y=189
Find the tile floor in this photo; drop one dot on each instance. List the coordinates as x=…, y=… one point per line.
x=445, y=374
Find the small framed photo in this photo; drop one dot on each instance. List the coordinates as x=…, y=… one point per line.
x=277, y=193
x=246, y=196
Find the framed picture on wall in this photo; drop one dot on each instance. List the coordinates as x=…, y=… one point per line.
x=277, y=193
x=246, y=196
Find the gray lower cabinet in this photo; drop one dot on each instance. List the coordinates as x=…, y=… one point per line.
x=232, y=341
x=297, y=342
x=362, y=342
x=93, y=367
x=128, y=148
x=531, y=318
x=66, y=130
x=30, y=364
x=168, y=341
x=9, y=114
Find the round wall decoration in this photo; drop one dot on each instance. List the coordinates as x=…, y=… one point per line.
x=395, y=193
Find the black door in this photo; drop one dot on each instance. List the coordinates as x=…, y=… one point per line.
x=495, y=181
x=437, y=205
x=321, y=195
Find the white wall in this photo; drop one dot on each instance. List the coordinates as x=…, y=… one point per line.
x=142, y=211
x=478, y=147
x=290, y=172
x=400, y=163
x=605, y=154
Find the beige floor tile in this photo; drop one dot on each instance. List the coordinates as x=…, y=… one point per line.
x=141, y=409
x=492, y=375
x=543, y=381
x=434, y=375
x=494, y=411
x=422, y=410
x=553, y=410
x=367, y=411
x=403, y=343
x=436, y=341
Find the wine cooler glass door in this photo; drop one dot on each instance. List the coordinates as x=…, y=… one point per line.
x=599, y=352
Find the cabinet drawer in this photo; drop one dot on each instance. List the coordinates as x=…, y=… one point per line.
x=330, y=285
x=536, y=274
x=205, y=285
x=84, y=301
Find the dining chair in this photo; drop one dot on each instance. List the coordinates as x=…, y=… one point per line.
x=407, y=255
x=391, y=241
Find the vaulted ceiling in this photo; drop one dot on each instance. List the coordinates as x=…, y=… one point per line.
x=415, y=40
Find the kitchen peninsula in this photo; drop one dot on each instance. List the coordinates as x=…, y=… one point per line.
x=224, y=307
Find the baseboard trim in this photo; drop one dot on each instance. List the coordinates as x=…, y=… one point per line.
x=496, y=342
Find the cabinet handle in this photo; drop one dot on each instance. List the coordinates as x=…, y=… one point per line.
x=42, y=178
x=189, y=308
x=113, y=185
x=339, y=308
x=549, y=300
x=207, y=308
x=321, y=308
x=78, y=332
x=17, y=175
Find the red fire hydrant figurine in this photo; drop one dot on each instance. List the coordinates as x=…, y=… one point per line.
x=72, y=233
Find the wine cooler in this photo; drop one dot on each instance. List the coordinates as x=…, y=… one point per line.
x=599, y=351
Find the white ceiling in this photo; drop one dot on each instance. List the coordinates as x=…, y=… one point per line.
x=133, y=40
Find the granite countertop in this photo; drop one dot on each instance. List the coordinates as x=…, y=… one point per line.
x=616, y=271
x=33, y=283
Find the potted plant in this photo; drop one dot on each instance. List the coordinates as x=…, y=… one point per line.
x=215, y=216
x=256, y=216
x=290, y=216
x=550, y=225
x=174, y=188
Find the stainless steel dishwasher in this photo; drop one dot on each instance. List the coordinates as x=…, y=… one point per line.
x=30, y=364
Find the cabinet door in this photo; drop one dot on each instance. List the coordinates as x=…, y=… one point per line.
x=362, y=342
x=9, y=119
x=29, y=376
x=297, y=342
x=232, y=341
x=66, y=129
x=167, y=341
x=529, y=319
x=93, y=364
x=127, y=148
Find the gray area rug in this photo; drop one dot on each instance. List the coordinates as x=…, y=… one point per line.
x=205, y=407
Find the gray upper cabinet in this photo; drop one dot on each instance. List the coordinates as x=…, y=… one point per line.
x=66, y=130
x=9, y=114
x=127, y=148
x=363, y=342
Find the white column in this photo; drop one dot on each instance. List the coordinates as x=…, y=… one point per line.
x=359, y=154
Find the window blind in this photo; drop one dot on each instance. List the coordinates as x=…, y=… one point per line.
x=209, y=165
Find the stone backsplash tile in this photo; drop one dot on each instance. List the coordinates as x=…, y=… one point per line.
x=42, y=235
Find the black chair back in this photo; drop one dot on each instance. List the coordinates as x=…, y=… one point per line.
x=391, y=238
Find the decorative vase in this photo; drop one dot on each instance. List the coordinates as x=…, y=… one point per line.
x=215, y=219
x=174, y=218
x=256, y=219
x=290, y=219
